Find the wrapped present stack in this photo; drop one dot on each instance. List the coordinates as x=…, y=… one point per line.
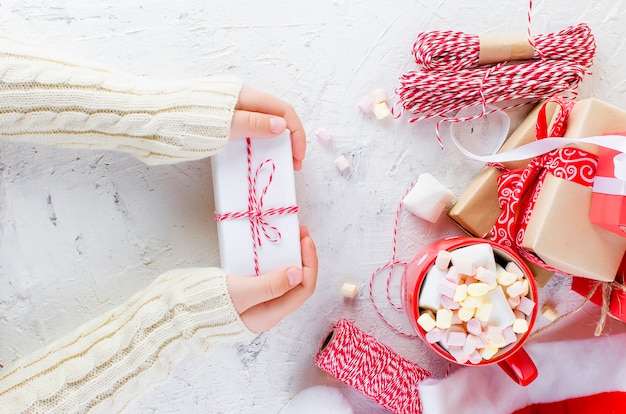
x=564, y=220
x=477, y=209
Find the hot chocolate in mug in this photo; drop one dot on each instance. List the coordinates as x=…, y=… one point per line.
x=513, y=359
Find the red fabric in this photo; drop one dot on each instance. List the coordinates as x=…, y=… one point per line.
x=613, y=402
x=608, y=210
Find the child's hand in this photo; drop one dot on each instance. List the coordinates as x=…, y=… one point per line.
x=265, y=300
x=260, y=115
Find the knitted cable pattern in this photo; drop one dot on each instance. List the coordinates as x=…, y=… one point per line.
x=60, y=101
x=107, y=362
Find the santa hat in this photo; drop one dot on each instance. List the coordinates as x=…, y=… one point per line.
x=580, y=376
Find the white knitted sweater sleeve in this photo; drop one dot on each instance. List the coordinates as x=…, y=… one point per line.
x=107, y=362
x=55, y=100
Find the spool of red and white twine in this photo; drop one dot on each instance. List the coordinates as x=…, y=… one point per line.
x=452, y=50
x=372, y=368
x=452, y=76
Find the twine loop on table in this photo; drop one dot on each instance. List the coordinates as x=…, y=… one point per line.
x=256, y=212
x=391, y=266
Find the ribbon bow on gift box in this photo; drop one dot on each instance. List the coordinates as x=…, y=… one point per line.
x=256, y=212
x=518, y=189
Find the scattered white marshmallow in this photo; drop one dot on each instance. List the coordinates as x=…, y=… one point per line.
x=381, y=110
x=428, y=198
x=349, y=290
x=549, y=312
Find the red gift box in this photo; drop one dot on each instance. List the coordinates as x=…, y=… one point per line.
x=617, y=302
x=608, y=200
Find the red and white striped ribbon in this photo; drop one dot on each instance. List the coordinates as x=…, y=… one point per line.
x=255, y=213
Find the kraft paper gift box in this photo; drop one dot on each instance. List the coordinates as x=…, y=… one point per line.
x=277, y=236
x=477, y=209
x=608, y=198
x=559, y=230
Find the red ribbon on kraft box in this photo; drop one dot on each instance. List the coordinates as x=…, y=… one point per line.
x=518, y=189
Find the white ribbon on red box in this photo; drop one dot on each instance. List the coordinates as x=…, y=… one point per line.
x=609, y=185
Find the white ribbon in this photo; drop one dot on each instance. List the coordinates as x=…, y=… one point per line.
x=544, y=145
x=609, y=185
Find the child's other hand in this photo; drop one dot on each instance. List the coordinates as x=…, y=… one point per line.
x=260, y=115
x=265, y=300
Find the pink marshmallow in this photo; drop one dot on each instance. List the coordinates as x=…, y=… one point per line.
x=456, y=319
x=456, y=338
x=486, y=276
x=475, y=357
x=435, y=335
x=509, y=335
x=367, y=104
x=448, y=303
x=483, y=342
x=458, y=354
x=447, y=288
x=323, y=135
x=471, y=342
x=526, y=305
x=493, y=332
x=474, y=327
x=514, y=301
x=453, y=275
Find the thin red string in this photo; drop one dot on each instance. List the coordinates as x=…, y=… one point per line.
x=372, y=368
x=255, y=212
x=391, y=265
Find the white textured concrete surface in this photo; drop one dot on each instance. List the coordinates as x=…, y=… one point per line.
x=81, y=231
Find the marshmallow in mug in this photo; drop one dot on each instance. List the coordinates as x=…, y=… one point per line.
x=489, y=302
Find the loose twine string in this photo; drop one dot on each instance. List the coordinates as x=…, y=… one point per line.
x=607, y=289
x=450, y=78
x=392, y=264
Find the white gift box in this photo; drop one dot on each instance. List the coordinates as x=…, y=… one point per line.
x=274, y=231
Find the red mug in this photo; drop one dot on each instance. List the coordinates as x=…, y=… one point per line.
x=513, y=359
